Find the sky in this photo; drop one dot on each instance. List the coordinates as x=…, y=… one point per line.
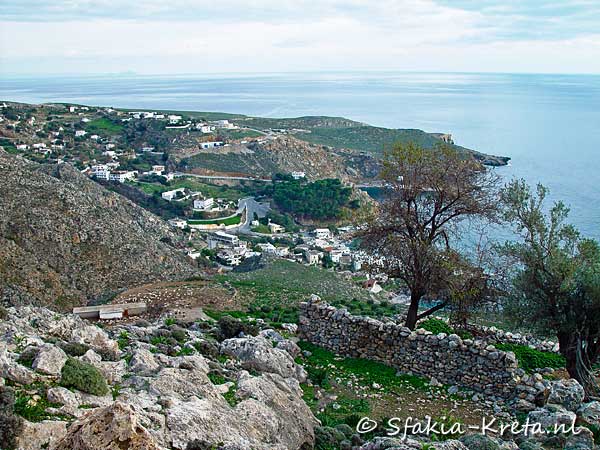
x=258, y=36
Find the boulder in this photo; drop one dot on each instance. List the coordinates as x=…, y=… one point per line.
x=583, y=440
x=63, y=396
x=567, y=393
x=290, y=347
x=589, y=414
x=479, y=442
x=39, y=435
x=11, y=370
x=143, y=362
x=97, y=339
x=257, y=353
x=270, y=415
x=114, y=427
x=49, y=360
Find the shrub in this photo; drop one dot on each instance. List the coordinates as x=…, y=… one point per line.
x=74, y=348
x=179, y=334
x=436, y=326
x=230, y=328
x=531, y=359
x=84, y=377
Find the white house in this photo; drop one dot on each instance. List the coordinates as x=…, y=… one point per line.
x=122, y=176
x=85, y=120
x=158, y=170
x=80, y=133
x=101, y=171
x=210, y=144
x=170, y=195
x=222, y=239
x=94, y=137
x=298, y=175
x=322, y=233
x=267, y=248
x=72, y=108
x=169, y=176
x=109, y=146
x=225, y=124
x=39, y=145
x=336, y=256
x=276, y=228
x=204, y=204
x=110, y=153
x=173, y=119
x=22, y=147
x=313, y=257
x=178, y=223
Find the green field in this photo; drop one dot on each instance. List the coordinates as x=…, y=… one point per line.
x=234, y=220
x=103, y=125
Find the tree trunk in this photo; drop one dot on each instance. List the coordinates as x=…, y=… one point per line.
x=413, y=309
x=577, y=363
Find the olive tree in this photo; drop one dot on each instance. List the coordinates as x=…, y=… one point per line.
x=555, y=279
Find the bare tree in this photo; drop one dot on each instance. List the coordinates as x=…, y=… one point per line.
x=428, y=193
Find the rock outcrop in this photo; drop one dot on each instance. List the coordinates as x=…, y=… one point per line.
x=65, y=239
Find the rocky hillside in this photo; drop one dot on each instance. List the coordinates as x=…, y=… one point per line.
x=65, y=240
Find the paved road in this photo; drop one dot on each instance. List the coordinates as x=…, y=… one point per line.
x=251, y=206
x=218, y=177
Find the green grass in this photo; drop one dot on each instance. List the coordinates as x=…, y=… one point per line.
x=531, y=359
x=436, y=326
x=233, y=220
x=84, y=377
x=32, y=410
x=103, y=125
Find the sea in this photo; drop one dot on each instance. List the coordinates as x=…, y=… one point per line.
x=549, y=125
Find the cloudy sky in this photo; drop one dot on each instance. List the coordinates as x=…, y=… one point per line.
x=201, y=36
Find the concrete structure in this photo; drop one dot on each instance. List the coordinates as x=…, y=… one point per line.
x=115, y=311
x=298, y=175
x=222, y=239
x=322, y=233
x=204, y=203
x=171, y=195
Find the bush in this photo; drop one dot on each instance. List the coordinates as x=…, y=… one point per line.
x=436, y=326
x=74, y=348
x=3, y=313
x=84, y=377
x=230, y=328
x=531, y=359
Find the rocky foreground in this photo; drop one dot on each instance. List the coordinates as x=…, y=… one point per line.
x=70, y=384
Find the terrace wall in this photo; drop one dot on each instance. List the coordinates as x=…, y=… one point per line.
x=449, y=359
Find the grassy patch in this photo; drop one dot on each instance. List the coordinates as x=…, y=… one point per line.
x=233, y=220
x=104, y=125
x=531, y=359
x=32, y=409
x=436, y=326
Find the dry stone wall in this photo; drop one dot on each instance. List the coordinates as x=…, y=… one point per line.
x=448, y=358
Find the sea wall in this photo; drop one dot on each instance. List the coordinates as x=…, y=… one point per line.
x=449, y=359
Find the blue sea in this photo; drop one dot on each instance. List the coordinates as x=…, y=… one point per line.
x=548, y=124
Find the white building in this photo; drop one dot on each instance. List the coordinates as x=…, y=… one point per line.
x=204, y=204
x=267, y=248
x=205, y=128
x=276, y=228
x=109, y=146
x=170, y=195
x=336, y=256
x=298, y=175
x=313, y=257
x=178, y=223
x=85, y=120
x=101, y=171
x=225, y=124
x=80, y=133
x=210, y=144
x=72, y=108
x=121, y=176
x=158, y=170
x=22, y=147
x=322, y=233
x=173, y=119
x=94, y=137
x=222, y=239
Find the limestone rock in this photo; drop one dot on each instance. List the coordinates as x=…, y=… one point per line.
x=589, y=414
x=49, y=360
x=257, y=353
x=143, y=362
x=97, y=339
x=566, y=393
x=39, y=435
x=63, y=396
x=583, y=440
x=114, y=427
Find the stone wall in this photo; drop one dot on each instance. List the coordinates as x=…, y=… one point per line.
x=451, y=360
